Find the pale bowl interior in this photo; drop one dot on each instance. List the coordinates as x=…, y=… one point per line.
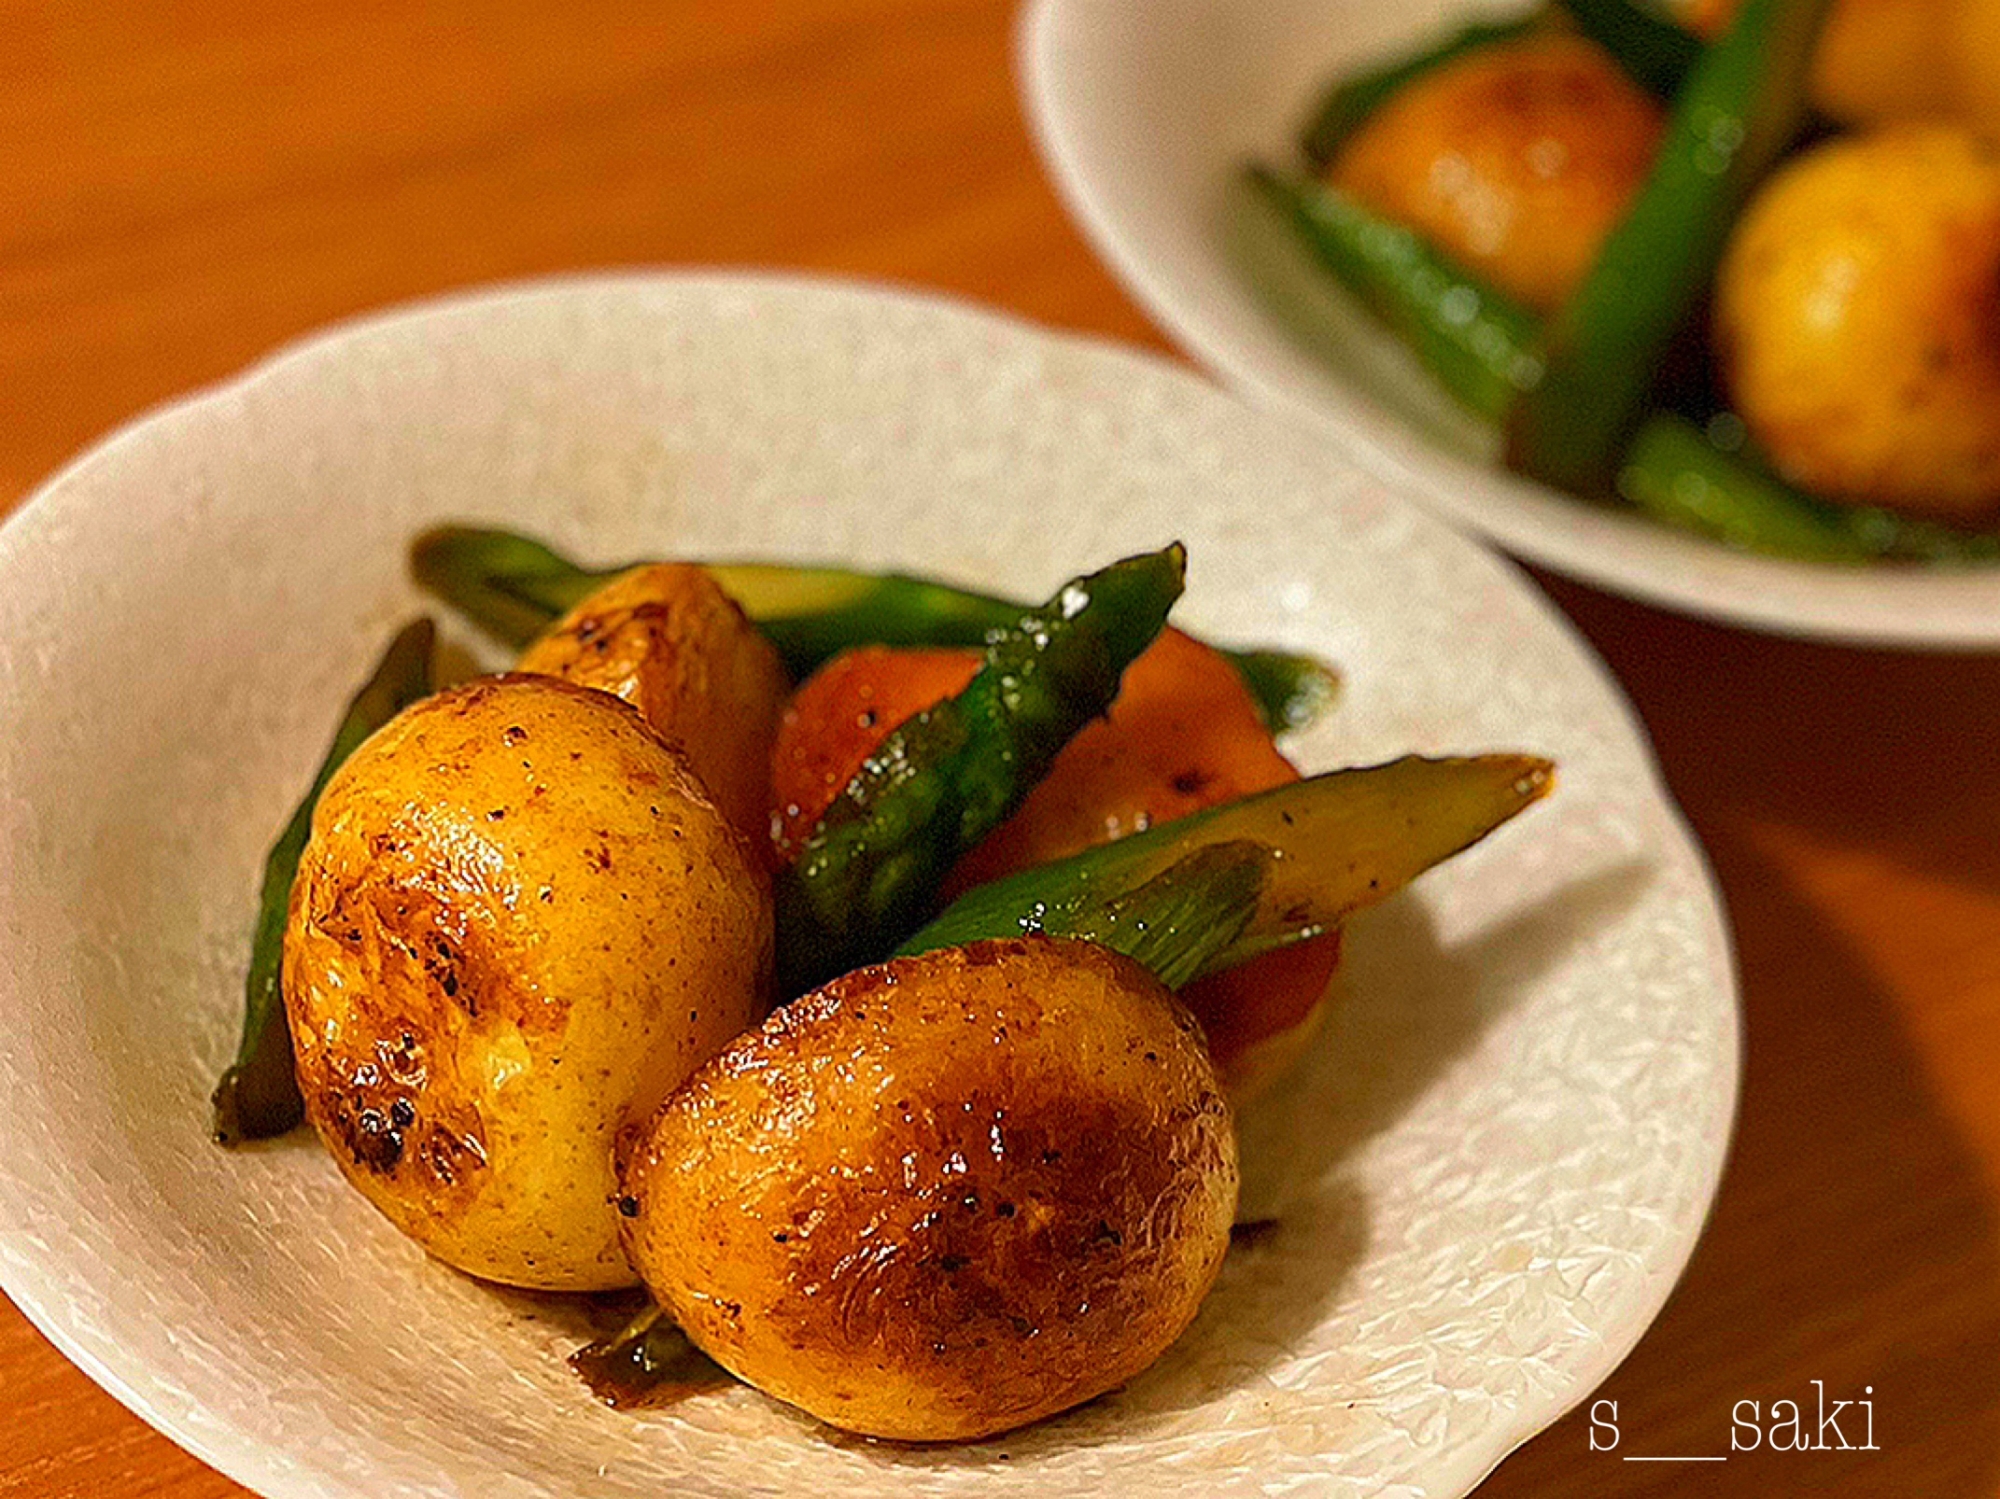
x=1488, y=1177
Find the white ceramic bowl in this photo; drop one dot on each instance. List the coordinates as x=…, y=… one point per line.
x=1489, y=1179
x=1146, y=114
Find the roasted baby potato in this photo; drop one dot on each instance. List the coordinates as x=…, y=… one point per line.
x=518, y=922
x=1515, y=159
x=670, y=642
x=1885, y=60
x=945, y=1196
x=1858, y=321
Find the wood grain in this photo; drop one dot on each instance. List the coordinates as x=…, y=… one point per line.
x=185, y=186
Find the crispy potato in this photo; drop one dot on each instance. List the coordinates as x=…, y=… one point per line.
x=1858, y=321
x=1183, y=735
x=1516, y=160
x=518, y=917
x=670, y=642
x=946, y=1196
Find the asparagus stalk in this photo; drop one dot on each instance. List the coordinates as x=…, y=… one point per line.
x=1741, y=106
x=1335, y=843
x=949, y=776
x=258, y=1095
x=1478, y=342
x=1654, y=52
x=514, y=588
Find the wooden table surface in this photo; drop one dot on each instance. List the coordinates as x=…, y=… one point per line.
x=185, y=185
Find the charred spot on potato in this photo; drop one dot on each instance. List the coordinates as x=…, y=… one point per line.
x=451, y=1157
x=402, y=1059
x=364, y=1132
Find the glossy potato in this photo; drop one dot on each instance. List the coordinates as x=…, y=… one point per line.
x=518, y=917
x=670, y=642
x=946, y=1196
x=1858, y=321
x=1515, y=160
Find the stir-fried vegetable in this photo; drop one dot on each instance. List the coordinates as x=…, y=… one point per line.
x=1652, y=50
x=1478, y=342
x=1673, y=472
x=1335, y=843
x=258, y=1095
x=948, y=777
x=1741, y=106
x=514, y=587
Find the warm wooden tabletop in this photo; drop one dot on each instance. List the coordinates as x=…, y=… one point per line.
x=185, y=185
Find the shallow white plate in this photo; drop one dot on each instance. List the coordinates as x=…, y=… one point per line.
x=1489, y=1181
x=1146, y=114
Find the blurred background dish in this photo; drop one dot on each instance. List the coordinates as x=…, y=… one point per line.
x=1148, y=122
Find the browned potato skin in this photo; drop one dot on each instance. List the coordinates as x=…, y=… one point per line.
x=945, y=1196
x=518, y=917
x=670, y=642
x=1858, y=320
x=1515, y=160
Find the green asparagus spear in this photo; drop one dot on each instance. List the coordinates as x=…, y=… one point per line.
x=514, y=588
x=1336, y=843
x=1741, y=106
x=1673, y=473
x=1353, y=99
x=1676, y=475
x=952, y=774
x=258, y=1095
x=1290, y=689
x=1477, y=341
x=1654, y=52
x=1177, y=922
